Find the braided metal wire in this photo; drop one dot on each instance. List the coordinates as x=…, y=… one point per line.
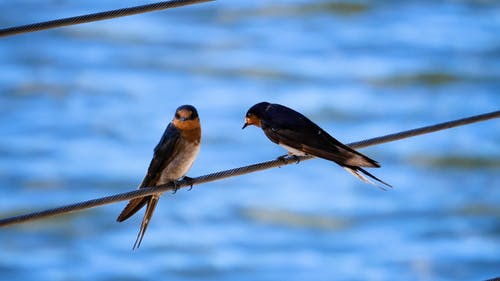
x=97, y=16
x=236, y=171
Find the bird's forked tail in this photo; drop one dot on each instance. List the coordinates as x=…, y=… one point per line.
x=355, y=171
x=151, y=205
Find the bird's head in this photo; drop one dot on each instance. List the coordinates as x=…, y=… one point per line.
x=186, y=118
x=254, y=114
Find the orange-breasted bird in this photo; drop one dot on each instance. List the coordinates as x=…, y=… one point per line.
x=300, y=136
x=173, y=157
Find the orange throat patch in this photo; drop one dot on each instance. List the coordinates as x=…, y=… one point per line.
x=253, y=120
x=190, y=129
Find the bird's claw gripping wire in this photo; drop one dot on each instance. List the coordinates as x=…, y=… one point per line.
x=186, y=179
x=285, y=157
x=282, y=158
x=176, y=184
x=189, y=181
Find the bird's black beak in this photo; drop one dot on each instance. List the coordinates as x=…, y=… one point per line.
x=244, y=126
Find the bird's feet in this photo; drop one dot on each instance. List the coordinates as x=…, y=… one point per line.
x=176, y=185
x=190, y=181
x=185, y=179
x=296, y=158
x=282, y=158
x=289, y=156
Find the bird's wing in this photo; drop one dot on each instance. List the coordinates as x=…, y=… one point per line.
x=163, y=153
x=285, y=126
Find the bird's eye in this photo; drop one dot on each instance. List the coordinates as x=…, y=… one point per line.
x=177, y=116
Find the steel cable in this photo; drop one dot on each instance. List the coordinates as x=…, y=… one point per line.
x=237, y=171
x=97, y=16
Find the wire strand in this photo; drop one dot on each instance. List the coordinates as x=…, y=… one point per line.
x=236, y=171
x=97, y=16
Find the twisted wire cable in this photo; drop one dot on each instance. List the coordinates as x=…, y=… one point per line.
x=97, y=16
x=237, y=171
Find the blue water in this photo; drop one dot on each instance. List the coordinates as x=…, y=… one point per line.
x=82, y=107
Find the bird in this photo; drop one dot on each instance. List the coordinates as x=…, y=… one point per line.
x=173, y=157
x=301, y=137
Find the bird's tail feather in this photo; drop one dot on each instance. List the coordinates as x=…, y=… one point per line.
x=132, y=207
x=356, y=159
x=355, y=171
x=151, y=205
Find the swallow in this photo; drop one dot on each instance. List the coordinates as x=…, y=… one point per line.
x=301, y=136
x=173, y=157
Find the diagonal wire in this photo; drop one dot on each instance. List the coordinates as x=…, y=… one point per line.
x=237, y=171
x=97, y=16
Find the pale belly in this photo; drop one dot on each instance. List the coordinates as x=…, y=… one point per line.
x=293, y=151
x=180, y=165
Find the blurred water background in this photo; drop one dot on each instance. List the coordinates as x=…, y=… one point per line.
x=82, y=107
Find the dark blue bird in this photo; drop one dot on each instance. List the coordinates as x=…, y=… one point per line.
x=300, y=136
